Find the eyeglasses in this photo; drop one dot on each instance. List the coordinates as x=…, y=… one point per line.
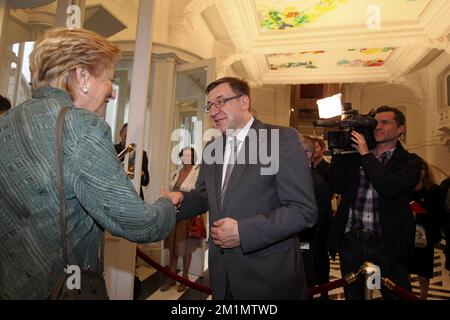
x=219, y=103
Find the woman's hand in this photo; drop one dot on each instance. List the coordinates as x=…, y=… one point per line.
x=175, y=197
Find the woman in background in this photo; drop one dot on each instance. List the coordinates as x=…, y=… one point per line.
x=178, y=242
x=427, y=195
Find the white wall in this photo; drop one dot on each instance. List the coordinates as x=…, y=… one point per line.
x=437, y=152
x=271, y=104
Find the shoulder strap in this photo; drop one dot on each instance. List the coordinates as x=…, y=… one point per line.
x=60, y=181
x=62, y=200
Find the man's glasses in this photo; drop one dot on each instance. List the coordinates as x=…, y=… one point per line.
x=219, y=103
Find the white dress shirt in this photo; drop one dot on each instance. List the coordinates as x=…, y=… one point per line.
x=240, y=136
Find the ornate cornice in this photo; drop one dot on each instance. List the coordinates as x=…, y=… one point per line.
x=435, y=18
x=442, y=42
x=416, y=83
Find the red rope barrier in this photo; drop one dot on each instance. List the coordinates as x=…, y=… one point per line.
x=171, y=274
x=397, y=290
x=327, y=287
x=350, y=278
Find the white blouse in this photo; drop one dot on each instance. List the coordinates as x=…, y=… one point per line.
x=188, y=183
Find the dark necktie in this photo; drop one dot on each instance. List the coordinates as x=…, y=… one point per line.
x=230, y=166
x=384, y=159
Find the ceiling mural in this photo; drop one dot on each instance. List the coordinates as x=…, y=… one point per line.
x=282, y=41
x=321, y=59
x=290, y=15
x=279, y=15
x=367, y=57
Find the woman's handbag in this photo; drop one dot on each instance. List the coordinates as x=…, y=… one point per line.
x=197, y=228
x=92, y=285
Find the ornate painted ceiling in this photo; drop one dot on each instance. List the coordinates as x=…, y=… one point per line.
x=289, y=41
x=310, y=41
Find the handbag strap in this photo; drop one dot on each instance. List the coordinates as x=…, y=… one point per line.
x=60, y=181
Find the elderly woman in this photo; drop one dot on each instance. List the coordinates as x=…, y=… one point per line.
x=72, y=68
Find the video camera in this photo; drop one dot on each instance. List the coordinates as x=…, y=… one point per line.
x=339, y=141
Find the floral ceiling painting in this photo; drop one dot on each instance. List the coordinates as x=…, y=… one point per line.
x=306, y=59
x=363, y=57
x=371, y=57
x=282, y=15
x=279, y=15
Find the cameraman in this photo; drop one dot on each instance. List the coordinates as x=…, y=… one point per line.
x=374, y=221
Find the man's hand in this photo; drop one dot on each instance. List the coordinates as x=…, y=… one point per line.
x=360, y=143
x=175, y=197
x=225, y=233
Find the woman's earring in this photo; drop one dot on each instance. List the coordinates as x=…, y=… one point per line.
x=85, y=89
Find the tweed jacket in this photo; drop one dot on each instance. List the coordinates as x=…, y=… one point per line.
x=97, y=191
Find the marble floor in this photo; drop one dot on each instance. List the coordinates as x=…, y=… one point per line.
x=151, y=280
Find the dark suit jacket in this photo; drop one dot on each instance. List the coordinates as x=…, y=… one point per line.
x=270, y=210
x=394, y=183
x=322, y=169
x=318, y=234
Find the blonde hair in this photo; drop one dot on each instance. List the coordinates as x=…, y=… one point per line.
x=60, y=51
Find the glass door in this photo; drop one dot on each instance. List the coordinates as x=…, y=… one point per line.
x=190, y=122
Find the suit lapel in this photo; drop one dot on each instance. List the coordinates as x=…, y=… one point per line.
x=218, y=172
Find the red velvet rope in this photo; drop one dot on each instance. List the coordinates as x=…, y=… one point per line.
x=398, y=291
x=171, y=274
x=327, y=287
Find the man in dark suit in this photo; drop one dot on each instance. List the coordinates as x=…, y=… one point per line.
x=374, y=221
x=314, y=240
x=319, y=165
x=145, y=179
x=257, y=211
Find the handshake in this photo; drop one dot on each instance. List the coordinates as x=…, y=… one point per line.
x=224, y=232
x=176, y=197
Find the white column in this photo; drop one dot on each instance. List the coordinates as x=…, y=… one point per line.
x=161, y=125
x=123, y=95
x=4, y=61
x=18, y=74
x=120, y=255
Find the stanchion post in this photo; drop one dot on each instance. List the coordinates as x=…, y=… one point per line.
x=372, y=279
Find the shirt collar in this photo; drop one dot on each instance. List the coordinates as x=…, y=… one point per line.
x=242, y=133
x=389, y=153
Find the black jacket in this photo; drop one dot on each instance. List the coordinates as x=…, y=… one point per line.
x=394, y=183
x=145, y=179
